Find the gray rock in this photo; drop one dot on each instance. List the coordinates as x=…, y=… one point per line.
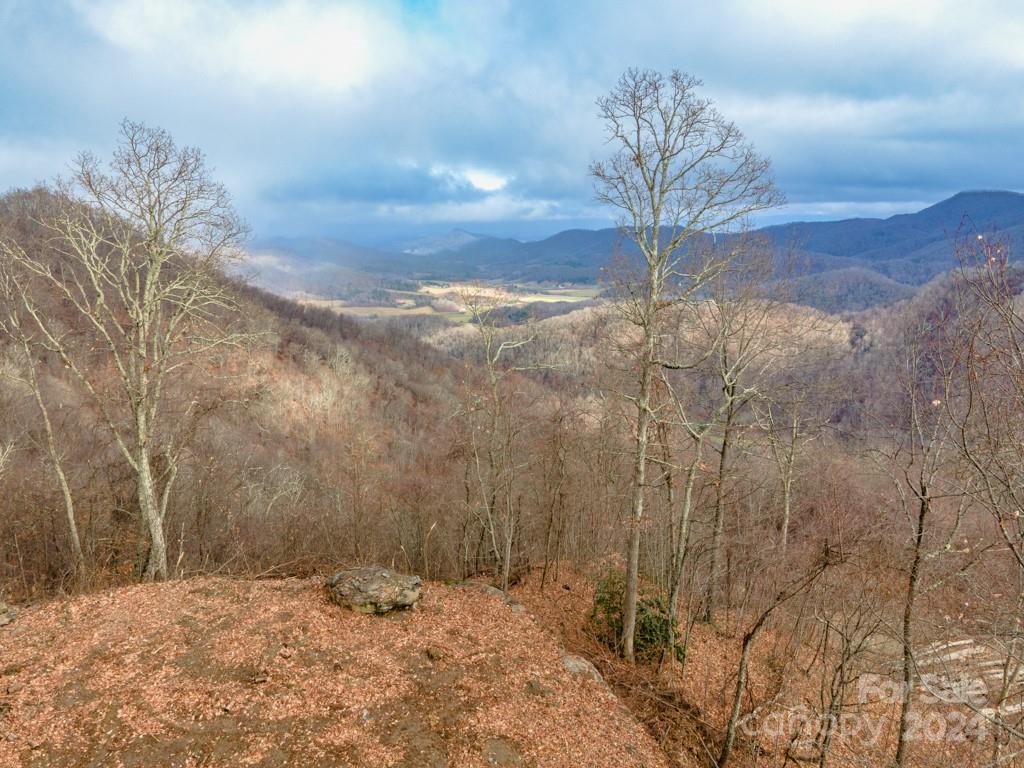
x=482, y=586
x=577, y=665
x=7, y=614
x=373, y=589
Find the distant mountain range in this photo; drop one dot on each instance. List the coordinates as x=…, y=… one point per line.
x=847, y=265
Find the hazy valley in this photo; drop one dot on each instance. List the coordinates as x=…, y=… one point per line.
x=833, y=265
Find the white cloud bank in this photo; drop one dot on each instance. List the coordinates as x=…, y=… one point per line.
x=856, y=102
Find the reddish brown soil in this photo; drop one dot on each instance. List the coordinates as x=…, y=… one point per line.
x=218, y=672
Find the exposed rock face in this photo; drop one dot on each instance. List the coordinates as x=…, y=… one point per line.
x=373, y=589
x=577, y=665
x=7, y=614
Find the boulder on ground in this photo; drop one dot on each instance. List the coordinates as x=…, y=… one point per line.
x=577, y=665
x=7, y=614
x=373, y=589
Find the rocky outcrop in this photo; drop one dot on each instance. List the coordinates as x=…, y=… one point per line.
x=7, y=614
x=373, y=589
x=577, y=665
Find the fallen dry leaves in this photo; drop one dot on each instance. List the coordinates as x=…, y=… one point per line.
x=216, y=672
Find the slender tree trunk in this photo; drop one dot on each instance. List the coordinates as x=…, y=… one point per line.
x=748, y=641
x=787, y=505
x=636, y=512
x=913, y=580
x=554, y=508
x=670, y=504
x=682, y=542
x=719, y=529
x=737, y=698
x=510, y=530
x=58, y=471
x=69, y=513
x=835, y=711
x=787, y=480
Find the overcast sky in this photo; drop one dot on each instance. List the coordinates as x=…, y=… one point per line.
x=377, y=120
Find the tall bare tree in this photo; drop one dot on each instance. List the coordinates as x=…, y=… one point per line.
x=17, y=303
x=679, y=170
x=136, y=254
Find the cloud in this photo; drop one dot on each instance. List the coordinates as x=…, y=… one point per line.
x=486, y=181
x=477, y=178
x=288, y=46
x=369, y=118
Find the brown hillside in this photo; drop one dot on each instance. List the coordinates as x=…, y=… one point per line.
x=269, y=673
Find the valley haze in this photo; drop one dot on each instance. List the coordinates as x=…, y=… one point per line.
x=838, y=265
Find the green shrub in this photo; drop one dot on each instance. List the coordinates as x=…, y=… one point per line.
x=652, y=622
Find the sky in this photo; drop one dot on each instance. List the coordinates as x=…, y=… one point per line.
x=378, y=121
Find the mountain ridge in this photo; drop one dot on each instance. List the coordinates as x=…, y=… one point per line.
x=907, y=248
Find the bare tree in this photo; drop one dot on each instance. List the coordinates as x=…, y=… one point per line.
x=13, y=294
x=849, y=625
x=732, y=346
x=739, y=326
x=797, y=586
x=138, y=250
x=495, y=432
x=922, y=465
x=988, y=425
x=797, y=404
x=679, y=170
x=990, y=439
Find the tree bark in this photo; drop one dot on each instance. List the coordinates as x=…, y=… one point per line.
x=149, y=508
x=58, y=470
x=913, y=579
x=636, y=513
x=718, y=534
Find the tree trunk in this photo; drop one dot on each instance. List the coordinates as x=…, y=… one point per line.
x=737, y=699
x=636, y=513
x=787, y=503
x=719, y=530
x=69, y=513
x=510, y=531
x=58, y=470
x=681, y=544
x=149, y=507
x=789, y=459
x=913, y=579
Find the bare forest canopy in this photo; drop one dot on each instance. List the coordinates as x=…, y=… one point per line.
x=759, y=505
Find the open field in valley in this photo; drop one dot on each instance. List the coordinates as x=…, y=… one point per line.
x=448, y=299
